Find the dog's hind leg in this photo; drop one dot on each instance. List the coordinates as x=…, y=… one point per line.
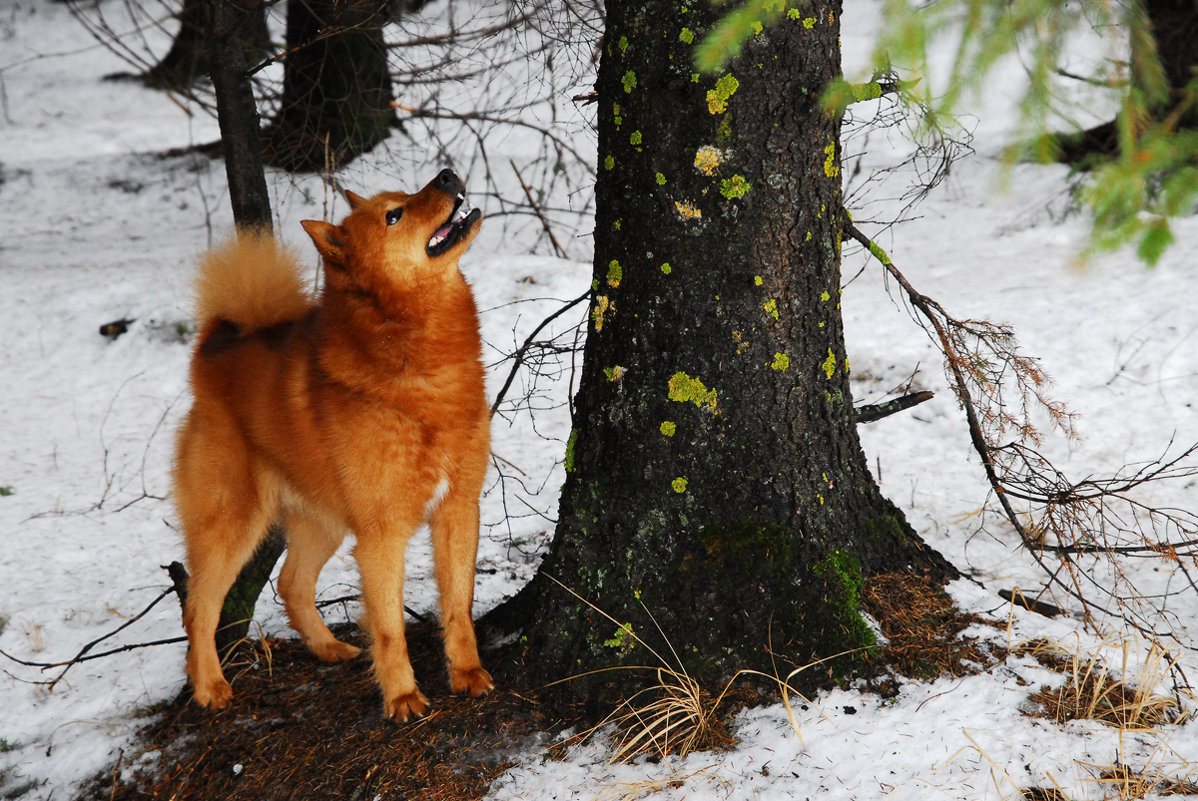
x=455, y=546
x=311, y=540
x=224, y=515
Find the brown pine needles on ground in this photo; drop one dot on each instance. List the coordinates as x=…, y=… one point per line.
x=923, y=628
x=304, y=730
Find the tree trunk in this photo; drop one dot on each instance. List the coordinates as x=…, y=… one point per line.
x=189, y=59
x=336, y=100
x=716, y=488
x=241, y=136
x=237, y=114
x=1174, y=25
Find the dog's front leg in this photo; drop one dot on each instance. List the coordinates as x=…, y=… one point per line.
x=380, y=556
x=455, y=546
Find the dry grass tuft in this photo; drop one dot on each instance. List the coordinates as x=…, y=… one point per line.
x=673, y=716
x=1125, y=782
x=1091, y=692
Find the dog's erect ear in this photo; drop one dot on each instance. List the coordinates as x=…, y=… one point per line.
x=328, y=238
x=354, y=200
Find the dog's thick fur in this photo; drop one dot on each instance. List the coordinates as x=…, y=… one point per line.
x=363, y=410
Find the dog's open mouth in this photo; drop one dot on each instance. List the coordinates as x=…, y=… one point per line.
x=461, y=219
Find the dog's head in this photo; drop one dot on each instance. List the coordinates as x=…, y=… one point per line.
x=403, y=235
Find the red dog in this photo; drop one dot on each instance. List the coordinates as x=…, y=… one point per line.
x=362, y=409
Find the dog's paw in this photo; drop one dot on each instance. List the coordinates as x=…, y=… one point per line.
x=335, y=651
x=214, y=694
x=475, y=682
x=403, y=707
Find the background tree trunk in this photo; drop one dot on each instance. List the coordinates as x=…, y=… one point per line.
x=241, y=136
x=188, y=59
x=1174, y=25
x=715, y=479
x=336, y=100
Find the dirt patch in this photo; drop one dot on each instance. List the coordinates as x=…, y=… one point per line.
x=301, y=729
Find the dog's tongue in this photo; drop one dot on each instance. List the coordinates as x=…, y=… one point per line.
x=443, y=231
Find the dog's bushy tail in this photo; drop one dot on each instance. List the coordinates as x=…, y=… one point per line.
x=251, y=281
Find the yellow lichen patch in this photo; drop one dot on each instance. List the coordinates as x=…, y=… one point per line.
x=741, y=345
x=600, y=310
x=668, y=428
x=679, y=485
x=614, y=373
x=831, y=165
x=781, y=362
x=708, y=159
x=688, y=210
x=771, y=308
x=829, y=365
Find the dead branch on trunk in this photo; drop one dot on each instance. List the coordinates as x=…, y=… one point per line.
x=878, y=411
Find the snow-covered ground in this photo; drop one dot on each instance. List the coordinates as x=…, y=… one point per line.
x=95, y=227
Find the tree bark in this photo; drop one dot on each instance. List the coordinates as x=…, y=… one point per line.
x=716, y=490
x=237, y=114
x=250, y=199
x=336, y=101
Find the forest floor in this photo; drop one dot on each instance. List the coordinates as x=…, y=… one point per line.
x=300, y=729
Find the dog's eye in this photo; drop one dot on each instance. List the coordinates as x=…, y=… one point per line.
x=394, y=215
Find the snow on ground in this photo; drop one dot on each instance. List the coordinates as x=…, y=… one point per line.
x=95, y=228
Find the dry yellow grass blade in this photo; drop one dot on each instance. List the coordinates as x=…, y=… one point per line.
x=1162, y=774
x=1091, y=692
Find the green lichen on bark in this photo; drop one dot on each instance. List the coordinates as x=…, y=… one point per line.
x=684, y=389
x=615, y=273
x=734, y=187
x=717, y=98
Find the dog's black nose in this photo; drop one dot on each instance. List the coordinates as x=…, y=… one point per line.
x=449, y=183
